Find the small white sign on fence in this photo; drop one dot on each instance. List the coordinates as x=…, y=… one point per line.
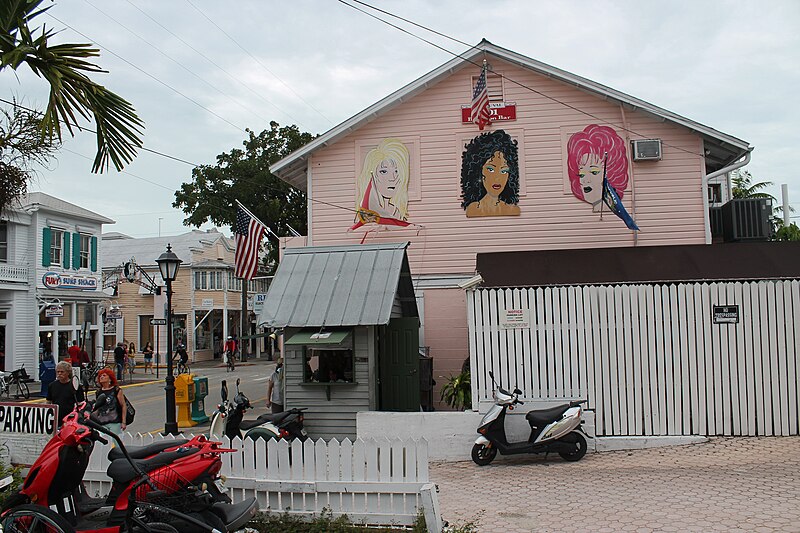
x=515, y=318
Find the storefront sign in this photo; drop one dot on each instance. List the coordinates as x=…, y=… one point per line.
x=726, y=314
x=258, y=302
x=54, y=280
x=207, y=303
x=25, y=429
x=54, y=310
x=498, y=112
x=514, y=318
x=115, y=313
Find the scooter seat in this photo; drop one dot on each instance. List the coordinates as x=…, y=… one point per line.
x=276, y=419
x=541, y=417
x=140, y=452
x=121, y=471
x=235, y=515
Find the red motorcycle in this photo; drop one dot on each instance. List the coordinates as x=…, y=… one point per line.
x=150, y=494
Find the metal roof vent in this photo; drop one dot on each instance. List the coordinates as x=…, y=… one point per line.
x=647, y=150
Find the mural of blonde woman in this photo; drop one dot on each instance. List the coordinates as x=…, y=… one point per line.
x=382, y=186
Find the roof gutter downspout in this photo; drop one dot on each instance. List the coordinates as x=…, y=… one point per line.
x=720, y=172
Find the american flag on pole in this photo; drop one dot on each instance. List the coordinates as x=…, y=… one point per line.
x=480, y=102
x=248, y=232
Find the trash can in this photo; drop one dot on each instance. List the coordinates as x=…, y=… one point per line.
x=47, y=374
x=184, y=396
x=198, y=404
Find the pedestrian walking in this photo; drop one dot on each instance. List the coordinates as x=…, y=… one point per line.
x=275, y=387
x=109, y=403
x=132, y=356
x=120, y=353
x=62, y=393
x=147, y=352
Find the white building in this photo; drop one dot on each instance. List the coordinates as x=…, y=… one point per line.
x=50, y=280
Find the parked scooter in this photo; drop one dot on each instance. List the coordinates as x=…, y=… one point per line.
x=152, y=494
x=228, y=420
x=552, y=430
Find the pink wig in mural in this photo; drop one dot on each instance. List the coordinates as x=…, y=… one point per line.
x=585, y=151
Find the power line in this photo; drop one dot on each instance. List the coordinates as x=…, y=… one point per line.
x=222, y=69
x=519, y=84
x=234, y=41
x=198, y=77
x=90, y=130
x=154, y=78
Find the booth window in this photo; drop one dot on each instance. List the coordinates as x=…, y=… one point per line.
x=327, y=356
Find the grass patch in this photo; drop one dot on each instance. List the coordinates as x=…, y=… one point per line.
x=325, y=523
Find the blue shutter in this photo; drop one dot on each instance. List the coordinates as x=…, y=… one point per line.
x=65, y=251
x=46, y=241
x=76, y=251
x=93, y=258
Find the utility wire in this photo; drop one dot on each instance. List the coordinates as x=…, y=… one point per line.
x=90, y=130
x=181, y=65
x=519, y=84
x=165, y=84
x=222, y=69
x=234, y=41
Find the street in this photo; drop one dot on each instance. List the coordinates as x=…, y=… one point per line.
x=148, y=397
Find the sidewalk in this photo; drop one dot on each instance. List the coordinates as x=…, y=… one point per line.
x=139, y=376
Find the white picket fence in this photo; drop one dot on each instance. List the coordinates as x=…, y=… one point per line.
x=374, y=481
x=649, y=358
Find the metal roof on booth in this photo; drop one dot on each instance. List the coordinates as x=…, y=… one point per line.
x=353, y=285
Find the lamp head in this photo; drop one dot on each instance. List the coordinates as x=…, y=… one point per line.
x=168, y=264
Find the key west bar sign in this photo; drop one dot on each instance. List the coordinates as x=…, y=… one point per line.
x=54, y=280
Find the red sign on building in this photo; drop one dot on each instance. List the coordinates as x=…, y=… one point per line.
x=498, y=111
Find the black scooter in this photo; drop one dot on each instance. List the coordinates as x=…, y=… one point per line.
x=229, y=420
x=552, y=430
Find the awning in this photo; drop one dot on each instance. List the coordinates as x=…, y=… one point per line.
x=314, y=336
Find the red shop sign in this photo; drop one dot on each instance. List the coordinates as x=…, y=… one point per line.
x=498, y=111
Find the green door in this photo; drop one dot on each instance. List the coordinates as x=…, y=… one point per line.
x=398, y=356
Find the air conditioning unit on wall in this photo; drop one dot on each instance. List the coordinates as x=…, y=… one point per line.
x=646, y=150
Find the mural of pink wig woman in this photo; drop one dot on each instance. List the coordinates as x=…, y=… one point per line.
x=585, y=151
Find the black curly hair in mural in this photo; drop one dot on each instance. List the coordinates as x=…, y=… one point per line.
x=477, y=152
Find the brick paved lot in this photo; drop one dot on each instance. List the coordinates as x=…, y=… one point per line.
x=727, y=484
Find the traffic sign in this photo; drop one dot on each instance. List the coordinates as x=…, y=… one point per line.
x=158, y=321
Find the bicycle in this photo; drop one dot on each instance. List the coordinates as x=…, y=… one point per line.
x=230, y=359
x=182, y=367
x=14, y=381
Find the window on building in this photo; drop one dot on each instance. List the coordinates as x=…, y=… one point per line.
x=3, y=241
x=85, y=244
x=715, y=193
x=328, y=365
x=494, y=86
x=56, y=247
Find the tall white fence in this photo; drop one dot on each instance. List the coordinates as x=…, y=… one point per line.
x=372, y=481
x=650, y=359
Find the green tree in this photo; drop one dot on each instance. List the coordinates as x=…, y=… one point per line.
x=22, y=149
x=73, y=96
x=743, y=186
x=243, y=174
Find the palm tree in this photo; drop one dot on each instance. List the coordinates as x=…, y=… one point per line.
x=743, y=186
x=72, y=94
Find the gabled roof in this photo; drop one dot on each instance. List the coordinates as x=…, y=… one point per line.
x=43, y=201
x=352, y=285
x=722, y=149
x=117, y=251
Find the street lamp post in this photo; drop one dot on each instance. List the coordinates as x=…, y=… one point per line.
x=168, y=264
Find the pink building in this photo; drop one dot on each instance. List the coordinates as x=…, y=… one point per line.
x=412, y=167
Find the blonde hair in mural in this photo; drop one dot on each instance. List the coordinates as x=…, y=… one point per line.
x=388, y=153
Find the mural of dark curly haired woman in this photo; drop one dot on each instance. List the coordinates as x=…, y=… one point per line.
x=490, y=176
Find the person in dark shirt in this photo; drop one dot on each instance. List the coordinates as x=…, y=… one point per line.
x=62, y=393
x=120, y=353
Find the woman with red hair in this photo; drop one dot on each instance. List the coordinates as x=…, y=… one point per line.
x=585, y=152
x=109, y=403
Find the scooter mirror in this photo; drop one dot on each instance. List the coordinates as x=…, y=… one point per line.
x=224, y=391
x=517, y=391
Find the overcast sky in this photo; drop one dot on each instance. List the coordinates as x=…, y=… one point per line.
x=197, y=84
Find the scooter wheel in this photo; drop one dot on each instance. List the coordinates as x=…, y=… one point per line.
x=34, y=518
x=580, y=447
x=483, y=455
